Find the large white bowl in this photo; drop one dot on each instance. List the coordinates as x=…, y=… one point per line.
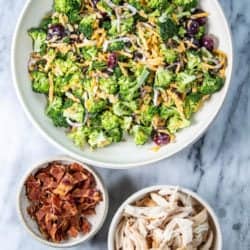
x=143, y=192
x=125, y=154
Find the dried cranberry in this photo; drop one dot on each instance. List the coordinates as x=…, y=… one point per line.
x=192, y=27
x=112, y=60
x=56, y=30
x=201, y=20
x=208, y=42
x=161, y=139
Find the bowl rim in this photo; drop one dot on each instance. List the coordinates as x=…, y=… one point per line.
x=135, y=196
x=37, y=166
x=106, y=164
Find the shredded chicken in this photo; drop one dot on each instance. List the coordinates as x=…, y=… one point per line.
x=165, y=220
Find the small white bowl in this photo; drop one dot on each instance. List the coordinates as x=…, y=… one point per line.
x=114, y=156
x=142, y=193
x=96, y=220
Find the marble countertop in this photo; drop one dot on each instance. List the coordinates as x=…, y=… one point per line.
x=217, y=166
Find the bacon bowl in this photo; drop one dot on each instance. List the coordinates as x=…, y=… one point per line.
x=96, y=220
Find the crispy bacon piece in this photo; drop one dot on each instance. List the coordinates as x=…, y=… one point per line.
x=61, y=198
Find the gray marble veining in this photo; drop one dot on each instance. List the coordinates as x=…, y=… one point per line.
x=217, y=166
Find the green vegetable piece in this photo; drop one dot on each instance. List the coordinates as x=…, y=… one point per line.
x=109, y=121
x=75, y=112
x=40, y=82
x=95, y=106
x=66, y=6
x=168, y=29
x=147, y=115
x=115, y=134
x=86, y=26
x=109, y=85
x=98, y=65
x=158, y=4
x=167, y=112
x=54, y=110
x=192, y=103
x=186, y=4
x=79, y=136
x=163, y=78
x=142, y=78
x=176, y=123
x=124, y=108
x=129, y=88
x=194, y=60
x=211, y=84
x=141, y=134
x=98, y=139
x=38, y=36
x=169, y=54
x=127, y=123
x=116, y=46
x=184, y=81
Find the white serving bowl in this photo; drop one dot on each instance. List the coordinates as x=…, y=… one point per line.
x=96, y=220
x=142, y=193
x=125, y=154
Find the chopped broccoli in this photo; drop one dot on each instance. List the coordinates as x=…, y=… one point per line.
x=211, y=84
x=167, y=112
x=45, y=22
x=79, y=136
x=129, y=88
x=177, y=122
x=115, y=134
x=184, y=81
x=98, y=139
x=66, y=6
x=104, y=7
x=60, y=84
x=141, y=134
x=127, y=25
x=98, y=65
x=192, y=103
x=201, y=32
x=124, y=108
x=168, y=29
x=194, y=60
x=89, y=52
x=182, y=32
x=54, y=110
x=163, y=78
x=40, y=82
x=143, y=76
x=186, y=4
x=62, y=67
x=74, y=16
x=86, y=26
x=170, y=55
x=146, y=116
x=109, y=85
x=95, y=106
x=115, y=46
x=158, y=4
x=75, y=83
x=127, y=123
x=38, y=36
x=109, y=121
x=74, y=112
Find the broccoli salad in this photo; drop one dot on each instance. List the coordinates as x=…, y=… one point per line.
x=114, y=68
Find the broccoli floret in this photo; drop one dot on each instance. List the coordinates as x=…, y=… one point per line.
x=184, y=81
x=169, y=54
x=192, y=103
x=127, y=25
x=75, y=112
x=141, y=134
x=75, y=83
x=104, y=7
x=60, y=84
x=167, y=112
x=127, y=123
x=211, y=84
x=129, y=88
x=182, y=32
x=62, y=67
x=66, y=6
x=146, y=116
x=40, y=82
x=163, y=78
x=194, y=60
x=79, y=136
x=116, y=46
x=137, y=4
x=89, y=52
x=177, y=122
x=186, y=4
x=158, y=4
x=38, y=36
x=115, y=134
x=109, y=85
x=74, y=16
x=143, y=76
x=98, y=65
x=54, y=110
x=168, y=29
x=124, y=108
x=45, y=23
x=98, y=139
x=86, y=26
x=109, y=121
x=201, y=32
x=95, y=106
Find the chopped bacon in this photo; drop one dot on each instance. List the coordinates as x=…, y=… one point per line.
x=61, y=197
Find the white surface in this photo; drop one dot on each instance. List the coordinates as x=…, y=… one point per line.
x=144, y=192
x=115, y=156
x=30, y=225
